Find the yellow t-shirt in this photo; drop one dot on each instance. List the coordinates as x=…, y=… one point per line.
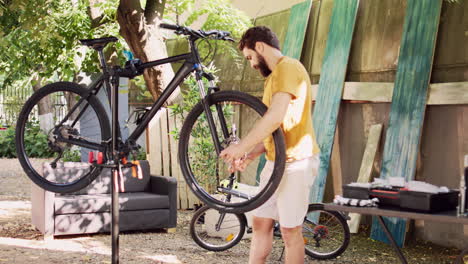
x=291, y=77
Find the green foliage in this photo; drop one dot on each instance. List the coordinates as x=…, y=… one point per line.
x=71, y=155
x=35, y=142
x=7, y=141
x=40, y=37
x=221, y=15
x=204, y=157
x=176, y=8
x=140, y=155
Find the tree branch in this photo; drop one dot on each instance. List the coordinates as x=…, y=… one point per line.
x=154, y=10
x=95, y=13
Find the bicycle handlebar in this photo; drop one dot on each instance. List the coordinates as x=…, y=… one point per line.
x=214, y=34
x=169, y=26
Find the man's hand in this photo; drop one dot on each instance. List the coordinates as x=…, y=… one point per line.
x=232, y=153
x=240, y=164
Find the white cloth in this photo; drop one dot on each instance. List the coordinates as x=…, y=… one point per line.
x=356, y=202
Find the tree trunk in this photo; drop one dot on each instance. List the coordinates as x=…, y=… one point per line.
x=140, y=28
x=45, y=108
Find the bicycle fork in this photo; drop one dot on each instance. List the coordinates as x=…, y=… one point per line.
x=209, y=114
x=206, y=108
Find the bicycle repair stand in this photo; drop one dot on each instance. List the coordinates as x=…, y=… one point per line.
x=116, y=170
x=115, y=165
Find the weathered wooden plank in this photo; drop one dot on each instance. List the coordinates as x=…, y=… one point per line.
x=166, y=155
x=452, y=93
x=336, y=166
x=462, y=131
x=368, y=91
x=448, y=93
x=311, y=33
x=321, y=35
x=331, y=86
x=409, y=101
x=175, y=167
x=154, y=146
x=365, y=171
x=297, y=27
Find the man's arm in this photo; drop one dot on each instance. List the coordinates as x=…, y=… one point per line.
x=263, y=128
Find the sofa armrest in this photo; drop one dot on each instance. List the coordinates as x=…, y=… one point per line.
x=166, y=186
x=42, y=210
x=163, y=185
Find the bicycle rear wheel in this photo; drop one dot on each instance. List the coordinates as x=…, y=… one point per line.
x=206, y=174
x=216, y=231
x=57, y=112
x=329, y=237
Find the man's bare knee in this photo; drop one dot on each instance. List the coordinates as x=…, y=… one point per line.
x=262, y=225
x=291, y=236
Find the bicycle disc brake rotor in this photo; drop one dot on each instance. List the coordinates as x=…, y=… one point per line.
x=321, y=231
x=63, y=132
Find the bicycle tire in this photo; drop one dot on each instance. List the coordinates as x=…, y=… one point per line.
x=244, y=103
x=231, y=231
x=315, y=234
x=27, y=117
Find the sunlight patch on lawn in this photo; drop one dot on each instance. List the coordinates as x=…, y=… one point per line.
x=164, y=258
x=10, y=209
x=79, y=245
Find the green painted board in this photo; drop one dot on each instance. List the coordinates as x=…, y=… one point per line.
x=297, y=26
x=332, y=77
x=292, y=47
x=409, y=100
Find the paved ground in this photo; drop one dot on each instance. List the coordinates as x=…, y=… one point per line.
x=20, y=242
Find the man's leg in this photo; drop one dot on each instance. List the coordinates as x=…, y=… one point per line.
x=262, y=240
x=294, y=245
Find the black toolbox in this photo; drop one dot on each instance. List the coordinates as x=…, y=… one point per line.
x=356, y=192
x=428, y=202
x=387, y=197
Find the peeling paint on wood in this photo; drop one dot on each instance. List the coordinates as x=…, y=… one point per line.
x=331, y=84
x=409, y=101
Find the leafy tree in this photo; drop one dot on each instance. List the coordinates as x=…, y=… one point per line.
x=38, y=38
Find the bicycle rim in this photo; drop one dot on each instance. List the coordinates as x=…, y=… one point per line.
x=207, y=174
x=216, y=231
x=51, y=163
x=327, y=238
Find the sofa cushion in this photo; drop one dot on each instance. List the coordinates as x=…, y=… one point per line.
x=101, y=222
x=67, y=171
x=95, y=203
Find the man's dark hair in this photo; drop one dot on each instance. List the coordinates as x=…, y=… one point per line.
x=259, y=33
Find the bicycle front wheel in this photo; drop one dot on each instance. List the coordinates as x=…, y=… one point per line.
x=234, y=114
x=57, y=128
x=216, y=231
x=326, y=238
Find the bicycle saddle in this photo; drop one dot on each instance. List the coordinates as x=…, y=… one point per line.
x=98, y=43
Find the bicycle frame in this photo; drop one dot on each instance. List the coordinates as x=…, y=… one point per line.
x=109, y=79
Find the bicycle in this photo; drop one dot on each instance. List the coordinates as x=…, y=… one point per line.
x=198, y=150
x=326, y=238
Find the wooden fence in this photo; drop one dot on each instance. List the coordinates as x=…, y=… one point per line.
x=162, y=150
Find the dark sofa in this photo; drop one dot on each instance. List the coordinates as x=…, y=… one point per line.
x=148, y=203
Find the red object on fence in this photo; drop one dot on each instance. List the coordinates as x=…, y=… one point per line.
x=90, y=157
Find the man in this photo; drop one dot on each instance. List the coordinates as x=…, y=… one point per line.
x=288, y=95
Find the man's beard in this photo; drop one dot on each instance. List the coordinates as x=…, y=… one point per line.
x=262, y=66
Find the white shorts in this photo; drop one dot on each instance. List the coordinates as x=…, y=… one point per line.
x=289, y=204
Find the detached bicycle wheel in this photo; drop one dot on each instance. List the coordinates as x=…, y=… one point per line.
x=57, y=128
x=216, y=231
x=326, y=238
x=234, y=114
